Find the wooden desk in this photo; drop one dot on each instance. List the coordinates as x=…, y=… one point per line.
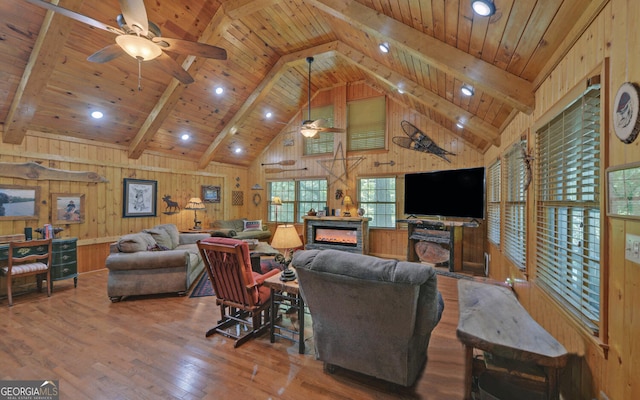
x=286, y=293
x=492, y=319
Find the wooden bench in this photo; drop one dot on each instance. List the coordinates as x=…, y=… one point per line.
x=491, y=319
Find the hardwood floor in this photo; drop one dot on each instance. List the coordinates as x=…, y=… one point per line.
x=155, y=347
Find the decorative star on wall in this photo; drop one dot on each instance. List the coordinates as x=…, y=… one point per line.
x=340, y=166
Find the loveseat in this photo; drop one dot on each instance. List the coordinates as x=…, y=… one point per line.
x=155, y=260
x=370, y=315
x=241, y=228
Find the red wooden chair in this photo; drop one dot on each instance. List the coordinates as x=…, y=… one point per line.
x=244, y=302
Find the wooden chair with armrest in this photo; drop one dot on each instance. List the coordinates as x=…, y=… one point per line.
x=243, y=300
x=27, y=258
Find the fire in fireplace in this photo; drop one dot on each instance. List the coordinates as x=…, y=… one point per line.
x=336, y=236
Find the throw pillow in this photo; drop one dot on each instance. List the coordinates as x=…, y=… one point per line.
x=173, y=232
x=255, y=225
x=161, y=236
x=134, y=242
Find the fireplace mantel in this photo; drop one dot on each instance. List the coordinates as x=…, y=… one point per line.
x=360, y=225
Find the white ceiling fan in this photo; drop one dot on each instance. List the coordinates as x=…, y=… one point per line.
x=141, y=39
x=310, y=128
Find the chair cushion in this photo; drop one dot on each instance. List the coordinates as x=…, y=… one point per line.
x=26, y=268
x=250, y=278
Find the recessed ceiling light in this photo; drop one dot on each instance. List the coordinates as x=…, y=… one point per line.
x=185, y=136
x=484, y=8
x=219, y=90
x=268, y=115
x=97, y=114
x=467, y=90
x=237, y=150
x=384, y=47
x=459, y=125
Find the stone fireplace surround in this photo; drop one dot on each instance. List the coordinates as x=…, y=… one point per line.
x=339, y=233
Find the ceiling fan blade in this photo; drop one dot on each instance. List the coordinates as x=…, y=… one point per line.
x=172, y=67
x=106, y=54
x=74, y=15
x=135, y=15
x=197, y=49
x=337, y=130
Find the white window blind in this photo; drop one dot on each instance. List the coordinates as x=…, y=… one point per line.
x=515, y=221
x=366, y=123
x=493, y=202
x=322, y=144
x=568, y=207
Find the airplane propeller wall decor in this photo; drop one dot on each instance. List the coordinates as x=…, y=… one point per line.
x=141, y=39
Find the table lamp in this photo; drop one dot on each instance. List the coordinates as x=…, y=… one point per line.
x=284, y=240
x=347, y=202
x=276, y=201
x=195, y=204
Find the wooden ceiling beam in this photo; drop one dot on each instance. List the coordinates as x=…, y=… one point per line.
x=513, y=90
x=171, y=95
x=263, y=90
x=50, y=43
x=450, y=111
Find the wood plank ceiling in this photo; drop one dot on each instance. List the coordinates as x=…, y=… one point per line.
x=48, y=85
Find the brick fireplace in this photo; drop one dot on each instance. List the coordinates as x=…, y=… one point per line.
x=339, y=233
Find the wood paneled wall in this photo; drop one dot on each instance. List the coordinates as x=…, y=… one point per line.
x=390, y=243
x=104, y=223
x=606, y=366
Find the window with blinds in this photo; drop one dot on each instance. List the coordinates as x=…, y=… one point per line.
x=515, y=216
x=568, y=207
x=366, y=123
x=493, y=202
x=323, y=143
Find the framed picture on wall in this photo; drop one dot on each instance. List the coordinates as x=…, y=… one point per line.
x=140, y=198
x=211, y=194
x=67, y=208
x=19, y=202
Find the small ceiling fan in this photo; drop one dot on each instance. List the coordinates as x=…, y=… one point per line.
x=311, y=128
x=141, y=39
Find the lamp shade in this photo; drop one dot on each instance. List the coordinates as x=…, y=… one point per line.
x=139, y=47
x=285, y=238
x=347, y=201
x=276, y=201
x=195, y=203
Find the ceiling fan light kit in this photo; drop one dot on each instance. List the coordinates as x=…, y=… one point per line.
x=484, y=8
x=139, y=47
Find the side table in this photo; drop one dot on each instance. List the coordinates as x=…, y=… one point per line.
x=286, y=293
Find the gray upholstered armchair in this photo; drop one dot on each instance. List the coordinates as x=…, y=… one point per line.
x=370, y=315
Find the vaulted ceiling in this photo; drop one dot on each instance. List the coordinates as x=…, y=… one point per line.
x=436, y=46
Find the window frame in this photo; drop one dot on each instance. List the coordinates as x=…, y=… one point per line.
x=494, y=202
x=514, y=243
x=553, y=201
x=291, y=211
x=370, y=210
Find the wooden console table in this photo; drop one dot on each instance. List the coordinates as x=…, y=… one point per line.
x=448, y=233
x=492, y=319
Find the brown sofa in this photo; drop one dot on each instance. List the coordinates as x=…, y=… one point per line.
x=156, y=260
x=235, y=228
x=370, y=315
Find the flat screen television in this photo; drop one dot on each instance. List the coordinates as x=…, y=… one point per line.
x=448, y=193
